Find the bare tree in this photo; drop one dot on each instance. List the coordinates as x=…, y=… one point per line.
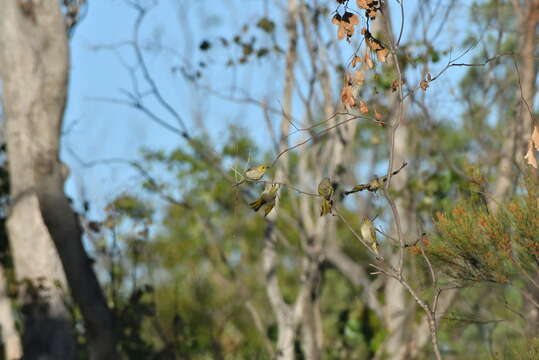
x=10, y=335
x=44, y=232
x=519, y=129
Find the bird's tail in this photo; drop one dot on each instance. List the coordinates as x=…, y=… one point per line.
x=375, y=248
x=269, y=207
x=326, y=207
x=356, y=189
x=257, y=204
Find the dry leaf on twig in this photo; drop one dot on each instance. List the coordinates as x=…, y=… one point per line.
x=363, y=108
x=530, y=155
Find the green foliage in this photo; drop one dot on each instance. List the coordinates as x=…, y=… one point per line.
x=266, y=25
x=131, y=207
x=523, y=349
x=131, y=316
x=203, y=256
x=477, y=245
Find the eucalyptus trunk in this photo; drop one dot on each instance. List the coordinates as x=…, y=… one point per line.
x=43, y=230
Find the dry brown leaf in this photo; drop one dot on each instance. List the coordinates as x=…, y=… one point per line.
x=377, y=115
x=375, y=45
x=356, y=60
x=362, y=4
x=346, y=24
x=530, y=155
x=351, y=18
x=347, y=96
x=382, y=55
x=340, y=33
x=535, y=137
x=424, y=85
x=359, y=77
x=363, y=108
x=368, y=59
x=395, y=85
x=370, y=6
x=429, y=77
x=372, y=44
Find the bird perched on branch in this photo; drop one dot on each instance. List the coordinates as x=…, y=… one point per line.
x=368, y=233
x=375, y=184
x=254, y=173
x=325, y=190
x=267, y=198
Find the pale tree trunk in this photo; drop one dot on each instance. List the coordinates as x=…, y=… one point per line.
x=286, y=323
x=312, y=330
x=520, y=128
x=47, y=329
x=397, y=306
x=34, y=63
x=10, y=336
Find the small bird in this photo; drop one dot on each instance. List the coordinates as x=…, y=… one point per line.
x=325, y=190
x=254, y=173
x=368, y=232
x=266, y=198
x=375, y=184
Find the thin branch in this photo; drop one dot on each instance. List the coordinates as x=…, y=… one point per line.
x=316, y=136
x=356, y=235
x=142, y=12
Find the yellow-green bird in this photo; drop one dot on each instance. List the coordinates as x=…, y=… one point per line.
x=267, y=198
x=325, y=190
x=368, y=232
x=375, y=184
x=254, y=173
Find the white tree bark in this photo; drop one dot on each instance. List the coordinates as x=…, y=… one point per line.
x=286, y=321
x=10, y=335
x=397, y=305
x=520, y=128
x=47, y=330
x=44, y=233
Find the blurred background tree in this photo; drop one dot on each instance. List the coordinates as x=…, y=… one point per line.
x=334, y=88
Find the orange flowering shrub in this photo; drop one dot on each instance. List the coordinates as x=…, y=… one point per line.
x=475, y=244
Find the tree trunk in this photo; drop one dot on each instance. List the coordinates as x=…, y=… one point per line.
x=47, y=329
x=520, y=128
x=10, y=336
x=286, y=324
x=397, y=304
x=34, y=61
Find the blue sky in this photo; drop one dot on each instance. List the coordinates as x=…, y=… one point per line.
x=100, y=130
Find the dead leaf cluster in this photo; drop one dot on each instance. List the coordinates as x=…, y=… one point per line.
x=375, y=45
x=533, y=144
x=346, y=24
x=371, y=7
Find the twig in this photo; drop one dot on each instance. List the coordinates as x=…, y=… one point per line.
x=316, y=136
